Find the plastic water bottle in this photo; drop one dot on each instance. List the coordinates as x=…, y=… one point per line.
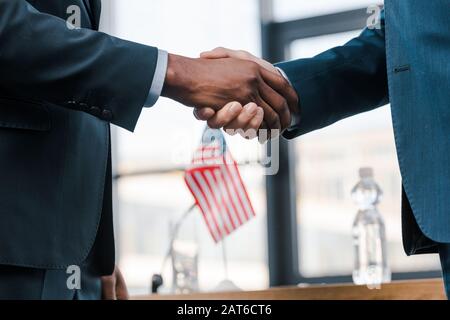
x=369, y=236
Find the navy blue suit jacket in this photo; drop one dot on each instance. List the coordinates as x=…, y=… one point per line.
x=407, y=63
x=59, y=91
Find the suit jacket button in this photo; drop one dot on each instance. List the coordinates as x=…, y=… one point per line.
x=107, y=115
x=95, y=111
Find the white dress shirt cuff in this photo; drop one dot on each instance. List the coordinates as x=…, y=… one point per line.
x=158, y=79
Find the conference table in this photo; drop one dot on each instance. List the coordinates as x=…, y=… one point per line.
x=399, y=290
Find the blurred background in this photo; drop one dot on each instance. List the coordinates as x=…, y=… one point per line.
x=305, y=235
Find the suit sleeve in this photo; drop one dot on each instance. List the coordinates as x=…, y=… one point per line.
x=42, y=59
x=340, y=82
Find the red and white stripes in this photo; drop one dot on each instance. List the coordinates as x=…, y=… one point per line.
x=217, y=186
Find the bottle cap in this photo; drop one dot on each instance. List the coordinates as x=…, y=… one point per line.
x=366, y=172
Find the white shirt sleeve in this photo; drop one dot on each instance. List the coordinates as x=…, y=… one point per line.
x=158, y=79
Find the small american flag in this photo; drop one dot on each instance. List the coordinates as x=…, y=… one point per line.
x=216, y=184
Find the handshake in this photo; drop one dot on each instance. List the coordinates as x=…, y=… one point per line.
x=233, y=90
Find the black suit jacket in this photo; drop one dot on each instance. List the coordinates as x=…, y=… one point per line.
x=59, y=91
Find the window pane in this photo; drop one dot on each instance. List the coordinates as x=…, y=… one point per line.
x=327, y=168
x=167, y=135
x=289, y=10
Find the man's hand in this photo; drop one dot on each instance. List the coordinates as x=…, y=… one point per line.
x=234, y=119
x=220, y=53
x=213, y=83
x=114, y=287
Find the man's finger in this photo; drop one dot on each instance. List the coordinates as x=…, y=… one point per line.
x=282, y=86
x=271, y=118
x=108, y=288
x=257, y=121
x=204, y=114
x=217, y=53
x=278, y=104
x=220, y=53
x=121, y=287
x=243, y=119
x=251, y=131
x=225, y=115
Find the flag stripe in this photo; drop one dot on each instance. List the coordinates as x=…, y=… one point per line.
x=218, y=190
x=221, y=210
x=233, y=202
x=235, y=197
x=242, y=191
x=227, y=200
x=242, y=213
x=193, y=186
x=212, y=200
x=210, y=211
